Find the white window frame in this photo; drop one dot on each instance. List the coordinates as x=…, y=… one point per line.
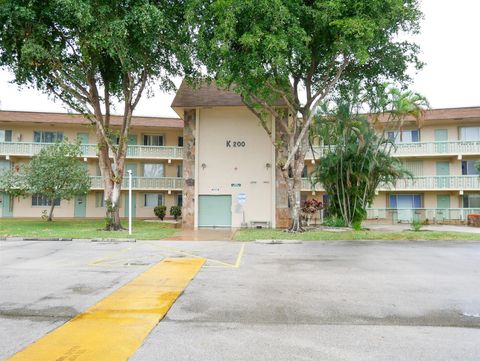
x=155, y=164
x=160, y=199
x=153, y=135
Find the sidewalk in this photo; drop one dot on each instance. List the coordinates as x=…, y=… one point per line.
x=203, y=235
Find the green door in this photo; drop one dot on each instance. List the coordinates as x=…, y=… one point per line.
x=443, y=171
x=6, y=201
x=83, y=138
x=80, y=209
x=215, y=211
x=441, y=135
x=134, y=205
x=6, y=205
x=443, y=205
x=133, y=167
x=132, y=140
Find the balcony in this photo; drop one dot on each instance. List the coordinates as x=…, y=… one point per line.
x=144, y=183
x=424, y=183
x=434, y=215
x=419, y=149
x=90, y=150
x=453, y=183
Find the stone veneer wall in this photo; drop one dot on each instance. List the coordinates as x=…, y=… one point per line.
x=282, y=212
x=188, y=205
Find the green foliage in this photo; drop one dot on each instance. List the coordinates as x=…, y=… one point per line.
x=334, y=221
x=56, y=172
x=267, y=49
x=416, y=225
x=160, y=211
x=357, y=225
x=64, y=48
x=358, y=159
x=176, y=211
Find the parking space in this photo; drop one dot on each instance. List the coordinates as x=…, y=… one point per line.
x=316, y=300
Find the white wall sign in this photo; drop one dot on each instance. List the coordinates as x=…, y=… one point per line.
x=242, y=198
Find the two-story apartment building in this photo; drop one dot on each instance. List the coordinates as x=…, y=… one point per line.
x=219, y=164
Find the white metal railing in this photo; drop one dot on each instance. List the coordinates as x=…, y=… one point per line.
x=90, y=150
x=454, y=182
x=165, y=183
x=431, y=214
x=455, y=147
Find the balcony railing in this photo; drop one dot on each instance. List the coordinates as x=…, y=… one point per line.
x=90, y=150
x=454, y=182
x=144, y=183
x=458, y=147
x=434, y=215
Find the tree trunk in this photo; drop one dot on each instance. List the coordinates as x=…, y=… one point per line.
x=112, y=203
x=111, y=188
x=294, y=197
x=50, y=214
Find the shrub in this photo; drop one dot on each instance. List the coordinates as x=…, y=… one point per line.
x=334, y=221
x=176, y=211
x=357, y=225
x=473, y=220
x=416, y=225
x=160, y=211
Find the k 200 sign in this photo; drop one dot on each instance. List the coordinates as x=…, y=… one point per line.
x=235, y=143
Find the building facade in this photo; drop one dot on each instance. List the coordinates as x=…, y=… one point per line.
x=155, y=156
x=218, y=163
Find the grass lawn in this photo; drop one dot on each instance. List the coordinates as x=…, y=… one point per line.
x=253, y=234
x=82, y=229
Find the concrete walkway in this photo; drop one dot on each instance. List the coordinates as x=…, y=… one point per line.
x=206, y=234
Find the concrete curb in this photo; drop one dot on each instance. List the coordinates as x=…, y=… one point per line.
x=116, y=240
x=278, y=241
x=34, y=239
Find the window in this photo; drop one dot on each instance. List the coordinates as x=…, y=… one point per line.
x=153, y=170
x=47, y=137
x=179, y=171
x=99, y=200
x=470, y=133
x=39, y=200
x=155, y=140
x=152, y=199
x=180, y=141
x=405, y=201
x=471, y=201
x=179, y=199
x=305, y=172
x=5, y=135
x=414, y=166
x=469, y=167
x=405, y=136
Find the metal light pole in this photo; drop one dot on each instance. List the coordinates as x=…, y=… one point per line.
x=129, y=202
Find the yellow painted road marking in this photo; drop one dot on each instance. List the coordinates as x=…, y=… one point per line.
x=220, y=264
x=115, y=327
x=110, y=256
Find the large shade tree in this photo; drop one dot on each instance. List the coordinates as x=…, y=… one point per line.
x=295, y=54
x=92, y=54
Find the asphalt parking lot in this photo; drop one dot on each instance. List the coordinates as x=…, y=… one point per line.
x=311, y=301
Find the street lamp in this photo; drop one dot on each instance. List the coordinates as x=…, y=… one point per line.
x=129, y=202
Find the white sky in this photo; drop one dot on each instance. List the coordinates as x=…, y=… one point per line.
x=450, y=47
